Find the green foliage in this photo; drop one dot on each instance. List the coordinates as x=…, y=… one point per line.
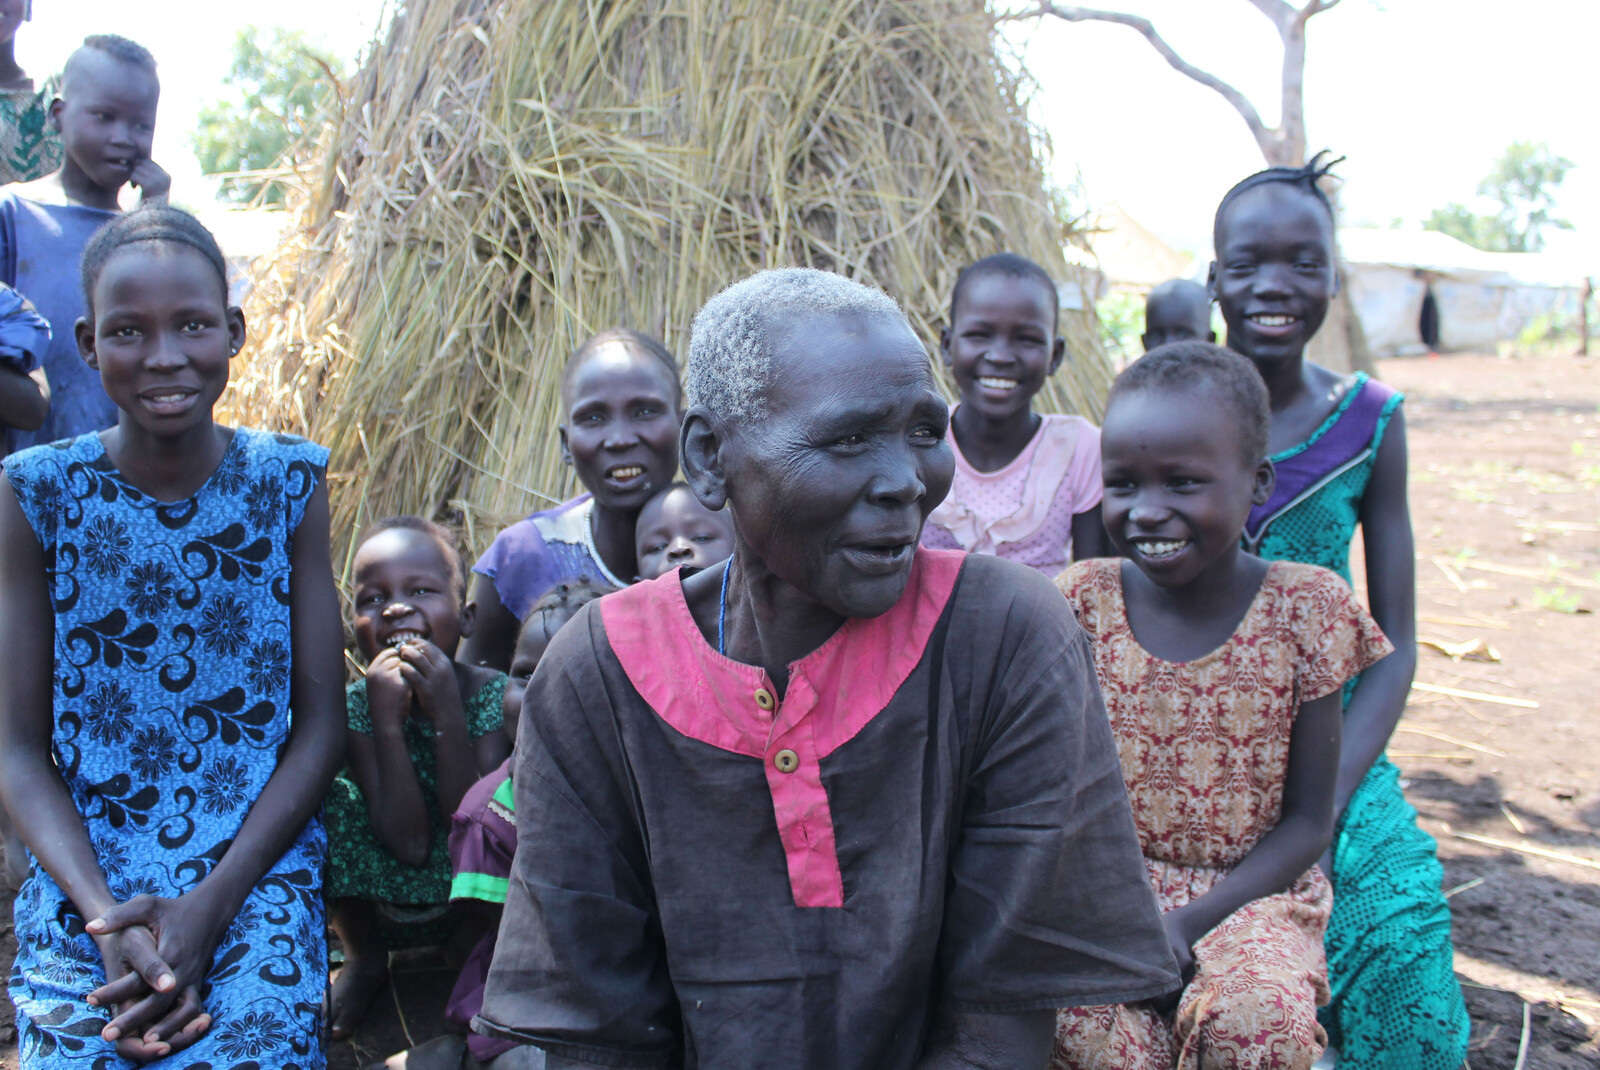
x=1121, y=316
x=1522, y=187
x=281, y=86
x=1558, y=599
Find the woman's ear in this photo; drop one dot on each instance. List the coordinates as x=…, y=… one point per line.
x=237, y=332
x=1266, y=478
x=566, y=450
x=944, y=345
x=83, y=332
x=700, y=445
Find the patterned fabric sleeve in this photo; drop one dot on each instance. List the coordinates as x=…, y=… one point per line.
x=24, y=334
x=1085, y=584
x=485, y=710
x=1337, y=637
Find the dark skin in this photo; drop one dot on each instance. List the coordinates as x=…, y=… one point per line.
x=621, y=437
x=676, y=531
x=1000, y=347
x=106, y=118
x=1177, y=311
x=408, y=622
x=1179, y=489
x=829, y=492
x=13, y=13
x=162, y=340
x=24, y=398
x=1275, y=262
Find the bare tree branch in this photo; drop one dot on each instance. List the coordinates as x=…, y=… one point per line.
x=1265, y=137
x=1279, y=12
x=1315, y=7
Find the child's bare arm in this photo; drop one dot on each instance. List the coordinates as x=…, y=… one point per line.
x=495, y=634
x=1303, y=831
x=381, y=765
x=1380, y=697
x=24, y=398
x=1089, y=537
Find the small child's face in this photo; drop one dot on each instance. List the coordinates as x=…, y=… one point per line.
x=621, y=433
x=162, y=337
x=532, y=642
x=405, y=594
x=1178, y=489
x=1002, y=344
x=675, y=529
x=1176, y=319
x=107, y=117
x=1274, y=274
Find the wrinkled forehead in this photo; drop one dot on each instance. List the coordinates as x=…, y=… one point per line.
x=819, y=357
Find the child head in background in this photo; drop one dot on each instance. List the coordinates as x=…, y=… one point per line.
x=675, y=529
x=1177, y=311
x=1274, y=275
x=1001, y=342
x=621, y=404
x=106, y=117
x=1184, y=457
x=546, y=618
x=409, y=587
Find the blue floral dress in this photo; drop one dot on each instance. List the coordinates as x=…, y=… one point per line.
x=171, y=702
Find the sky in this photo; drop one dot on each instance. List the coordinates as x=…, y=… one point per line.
x=1421, y=95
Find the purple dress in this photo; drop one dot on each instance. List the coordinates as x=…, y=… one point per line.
x=550, y=547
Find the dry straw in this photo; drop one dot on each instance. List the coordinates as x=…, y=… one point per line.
x=509, y=177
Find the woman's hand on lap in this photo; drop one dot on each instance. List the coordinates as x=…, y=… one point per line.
x=158, y=1006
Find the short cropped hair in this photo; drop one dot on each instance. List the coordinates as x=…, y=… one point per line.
x=120, y=48
x=561, y=603
x=1307, y=179
x=730, y=345
x=158, y=223
x=1013, y=266
x=1190, y=365
x=440, y=537
x=632, y=339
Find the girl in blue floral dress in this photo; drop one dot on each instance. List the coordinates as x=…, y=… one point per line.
x=172, y=716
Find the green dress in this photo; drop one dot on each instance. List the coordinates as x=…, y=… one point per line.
x=358, y=865
x=1396, y=1002
x=28, y=148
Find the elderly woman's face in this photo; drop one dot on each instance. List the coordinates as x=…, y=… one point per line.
x=832, y=488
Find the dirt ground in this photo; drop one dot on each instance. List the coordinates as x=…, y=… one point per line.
x=1500, y=745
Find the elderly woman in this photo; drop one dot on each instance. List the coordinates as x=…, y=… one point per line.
x=842, y=803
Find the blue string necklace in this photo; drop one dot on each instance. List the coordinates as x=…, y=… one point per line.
x=722, y=613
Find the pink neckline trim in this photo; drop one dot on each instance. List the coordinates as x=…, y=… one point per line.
x=834, y=692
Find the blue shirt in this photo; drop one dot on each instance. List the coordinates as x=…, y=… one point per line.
x=41, y=246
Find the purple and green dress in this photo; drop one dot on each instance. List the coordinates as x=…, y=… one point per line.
x=1396, y=1002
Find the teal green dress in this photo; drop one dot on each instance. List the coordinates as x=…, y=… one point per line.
x=1396, y=1002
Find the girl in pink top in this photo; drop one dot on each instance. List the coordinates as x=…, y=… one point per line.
x=1027, y=486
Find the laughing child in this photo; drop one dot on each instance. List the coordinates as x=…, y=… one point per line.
x=675, y=530
x=106, y=117
x=1221, y=675
x=423, y=728
x=1027, y=486
x=621, y=405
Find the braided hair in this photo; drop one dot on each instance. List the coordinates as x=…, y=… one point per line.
x=561, y=603
x=158, y=223
x=1307, y=179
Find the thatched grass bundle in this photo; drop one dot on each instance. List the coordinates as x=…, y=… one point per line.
x=510, y=176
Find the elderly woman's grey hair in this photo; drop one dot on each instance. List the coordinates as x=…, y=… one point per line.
x=730, y=346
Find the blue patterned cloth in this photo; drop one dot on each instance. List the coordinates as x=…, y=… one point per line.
x=171, y=702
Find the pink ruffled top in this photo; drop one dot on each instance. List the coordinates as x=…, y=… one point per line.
x=1023, y=511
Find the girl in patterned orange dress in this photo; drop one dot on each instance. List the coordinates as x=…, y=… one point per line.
x=1221, y=674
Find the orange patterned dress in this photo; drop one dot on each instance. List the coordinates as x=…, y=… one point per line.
x=1205, y=750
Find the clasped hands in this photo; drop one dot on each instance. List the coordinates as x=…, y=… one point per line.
x=157, y=952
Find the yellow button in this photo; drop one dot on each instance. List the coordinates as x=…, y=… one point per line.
x=764, y=699
x=786, y=761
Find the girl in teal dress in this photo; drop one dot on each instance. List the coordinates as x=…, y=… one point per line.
x=1338, y=445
